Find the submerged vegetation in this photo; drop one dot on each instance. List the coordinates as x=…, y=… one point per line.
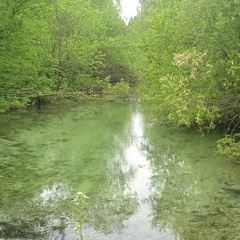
x=143, y=180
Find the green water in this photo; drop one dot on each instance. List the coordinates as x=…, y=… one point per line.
x=144, y=181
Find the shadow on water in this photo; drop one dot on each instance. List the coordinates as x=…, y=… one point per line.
x=143, y=181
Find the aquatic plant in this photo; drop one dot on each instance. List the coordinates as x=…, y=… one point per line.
x=80, y=205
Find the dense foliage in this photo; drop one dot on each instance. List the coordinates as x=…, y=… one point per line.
x=62, y=45
x=190, y=69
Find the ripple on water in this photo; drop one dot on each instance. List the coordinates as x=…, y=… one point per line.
x=143, y=181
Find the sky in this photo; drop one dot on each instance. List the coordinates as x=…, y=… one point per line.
x=129, y=9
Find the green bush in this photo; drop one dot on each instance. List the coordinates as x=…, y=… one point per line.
x=230, y=145
x=119, y=90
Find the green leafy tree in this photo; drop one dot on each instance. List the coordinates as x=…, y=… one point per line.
x=191, y=52
x=59, y=45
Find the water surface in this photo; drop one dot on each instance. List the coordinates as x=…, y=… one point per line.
x=143, y=181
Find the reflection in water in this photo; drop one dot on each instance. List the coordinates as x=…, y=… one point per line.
x=51, y=194
x=136, y=156
x=192, y=200
x=126, y=213
x=143, y=181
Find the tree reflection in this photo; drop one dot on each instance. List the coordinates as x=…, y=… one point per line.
x=116, y=200
x=54, y=161
x=141, y=180
x=33, y=229
x=186, y=185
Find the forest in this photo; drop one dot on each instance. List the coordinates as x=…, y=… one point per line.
x=183, y=57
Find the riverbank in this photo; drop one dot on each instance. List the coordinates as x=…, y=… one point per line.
x=21, y=101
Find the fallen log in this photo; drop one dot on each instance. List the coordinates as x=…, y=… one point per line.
x=35, y=95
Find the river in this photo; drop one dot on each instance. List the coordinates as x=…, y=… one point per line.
x=144, y=181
